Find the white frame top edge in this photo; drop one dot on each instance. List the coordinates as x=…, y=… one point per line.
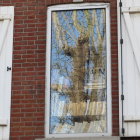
x=47, y=96
x=78, y=6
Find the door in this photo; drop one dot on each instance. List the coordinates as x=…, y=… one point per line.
x=131, y=66
x=6, y=45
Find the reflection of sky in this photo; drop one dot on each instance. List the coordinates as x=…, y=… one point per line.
x=65, y=19
x=61, y=64
x=82, y=18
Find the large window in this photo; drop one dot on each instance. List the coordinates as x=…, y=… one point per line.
x=78, y=77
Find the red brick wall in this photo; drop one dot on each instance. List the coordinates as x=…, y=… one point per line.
x=28, y=82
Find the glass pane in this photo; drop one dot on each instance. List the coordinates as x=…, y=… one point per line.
x=78, y=72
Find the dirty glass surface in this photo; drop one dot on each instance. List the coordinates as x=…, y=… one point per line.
x=78, y=72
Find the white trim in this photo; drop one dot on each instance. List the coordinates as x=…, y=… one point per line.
x=83, y=138
x=119, y=69
x=109, y=85
x=78, y=6
x=47, y=85
x=78, y=0
x=47, y=97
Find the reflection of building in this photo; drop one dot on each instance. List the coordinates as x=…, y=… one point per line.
x=59, y=87
x=95, y=86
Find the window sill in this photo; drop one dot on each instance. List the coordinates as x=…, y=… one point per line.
x=86, y=138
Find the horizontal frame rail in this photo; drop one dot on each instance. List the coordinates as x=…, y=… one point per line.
x=5, y=17
x=131, y=10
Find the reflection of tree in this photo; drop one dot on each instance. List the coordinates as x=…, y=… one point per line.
x=82, y=43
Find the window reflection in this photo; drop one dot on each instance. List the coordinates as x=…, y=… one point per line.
x=78, y=72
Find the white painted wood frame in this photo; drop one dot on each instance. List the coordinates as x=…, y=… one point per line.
x=48, y=55
x=6, y=50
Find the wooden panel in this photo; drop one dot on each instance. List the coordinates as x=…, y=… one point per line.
x=136, y=2
x=128, y=61
x=131, y=67
x=138, y=128
x=127, y=3
x=136, y=23
x=6, y=45
x=3, y=33
x=126, y=129
x=2, y=73
x=3, y=122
